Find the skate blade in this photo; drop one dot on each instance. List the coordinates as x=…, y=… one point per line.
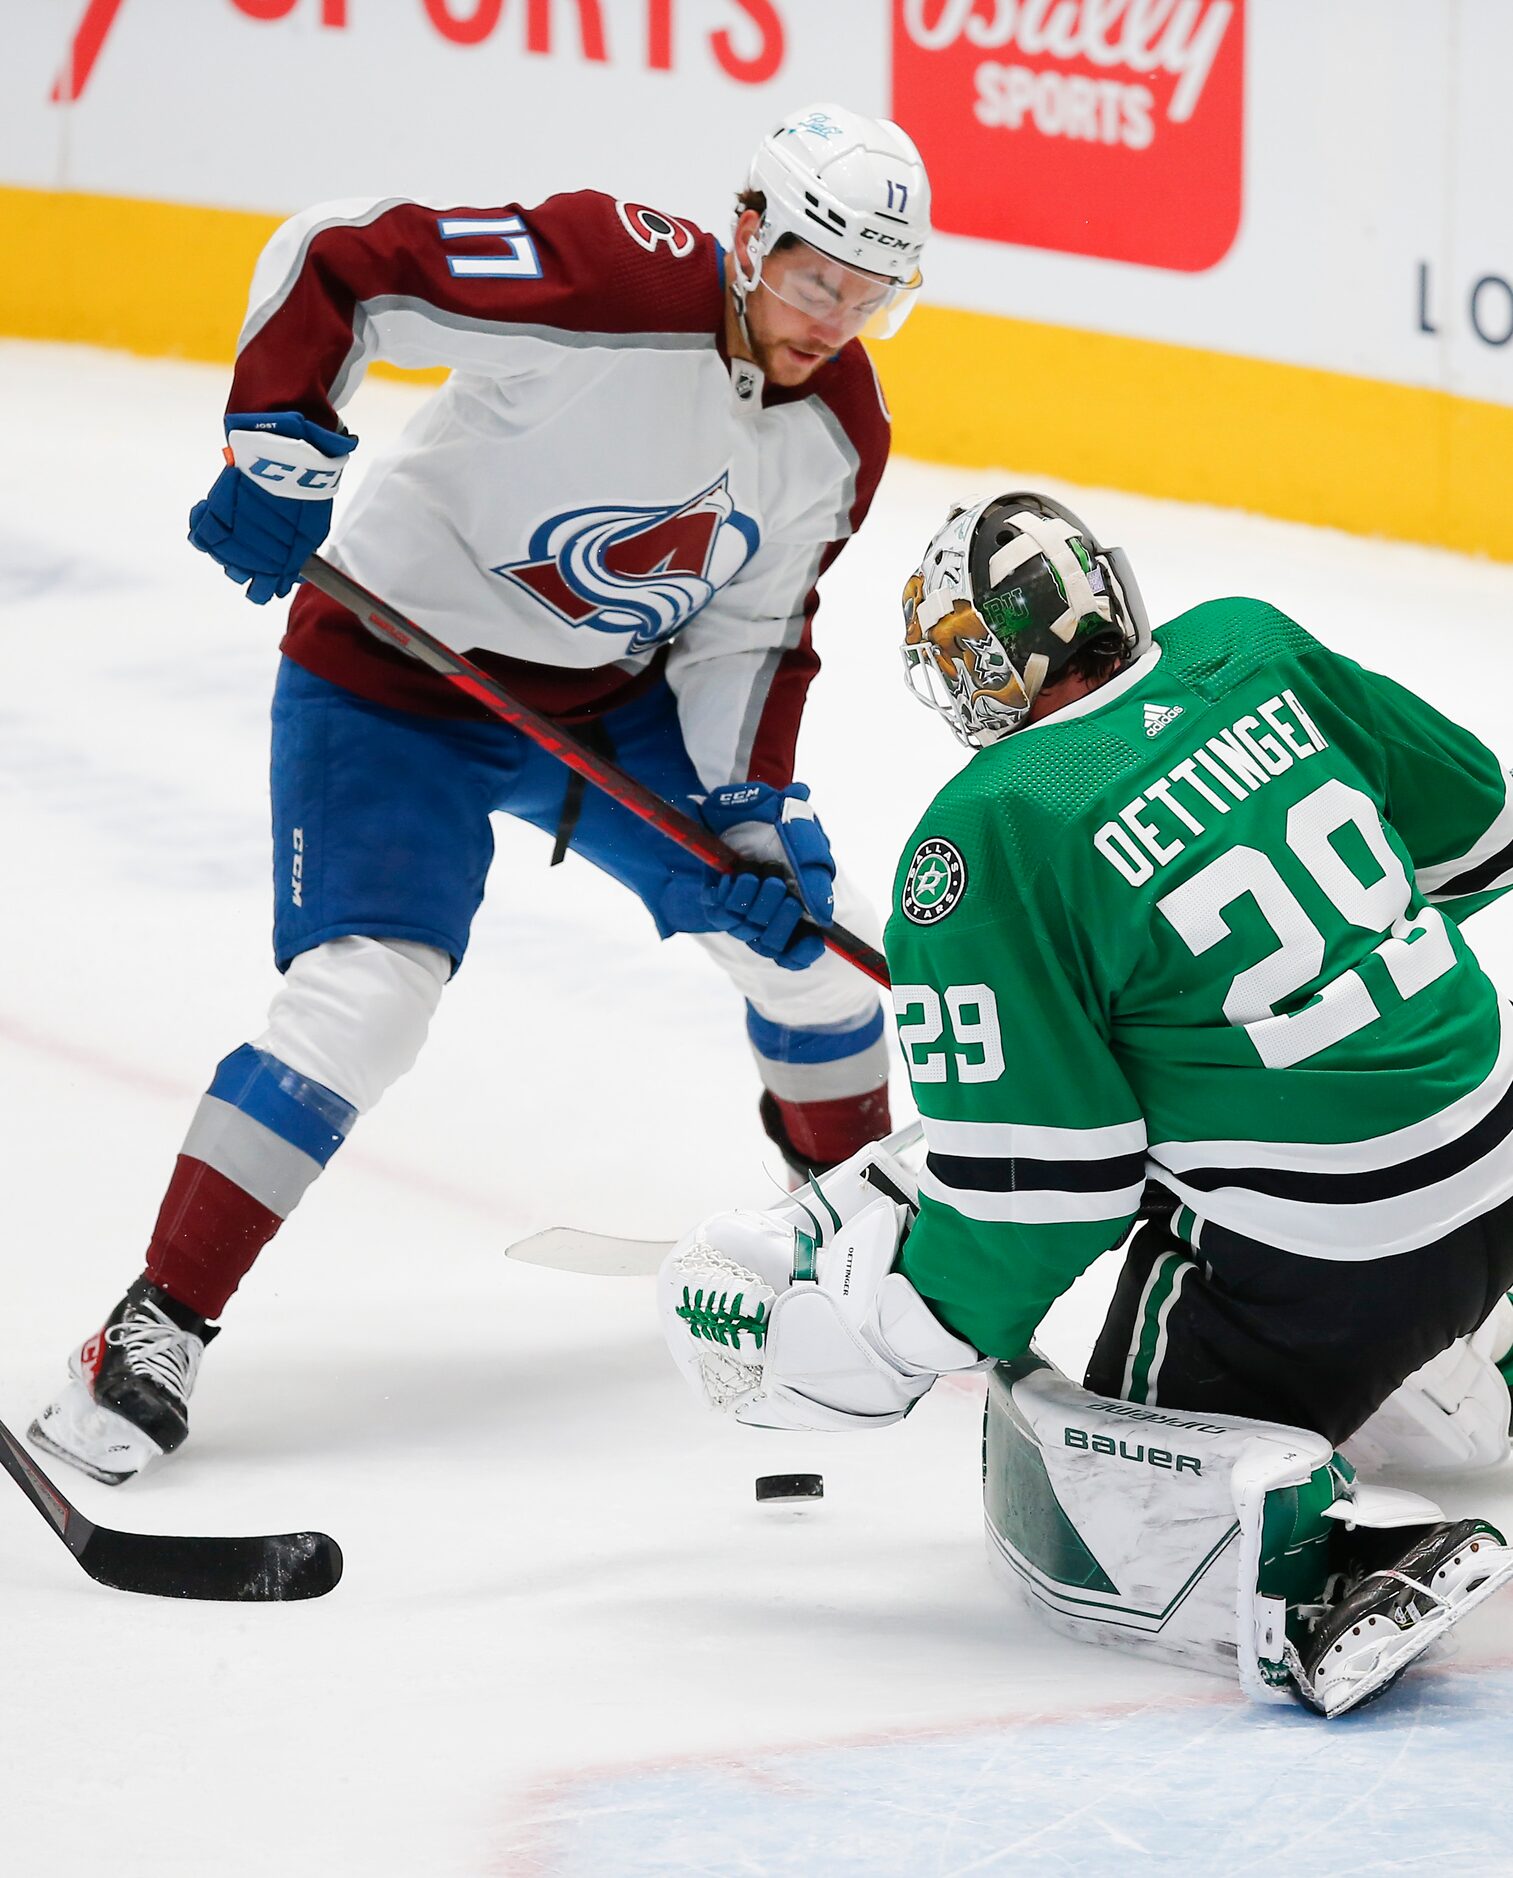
x=95, y=1440
x=1400, y=1650
x=1374, y=1676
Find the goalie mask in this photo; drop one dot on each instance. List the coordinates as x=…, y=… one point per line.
x=1008, y=592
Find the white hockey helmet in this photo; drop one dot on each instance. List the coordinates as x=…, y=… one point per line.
x=1010, y=589
x=854, y=189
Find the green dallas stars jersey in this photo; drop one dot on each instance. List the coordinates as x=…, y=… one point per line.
x=1195, y=925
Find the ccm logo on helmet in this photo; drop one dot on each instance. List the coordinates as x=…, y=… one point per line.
x=652, y=229
x=884, y=239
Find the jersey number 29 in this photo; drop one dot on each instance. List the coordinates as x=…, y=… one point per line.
x=1414, y=951
x=973, y=1011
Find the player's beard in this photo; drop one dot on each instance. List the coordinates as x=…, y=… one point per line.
x=781, y=364
x=782, y=359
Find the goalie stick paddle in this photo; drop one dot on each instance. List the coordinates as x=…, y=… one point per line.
x=391, y=626
x=595, y=1254
x=282, y=1567
x=605, y=1255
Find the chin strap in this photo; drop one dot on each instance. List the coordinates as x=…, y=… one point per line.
x=743, y=284
x=738, y=293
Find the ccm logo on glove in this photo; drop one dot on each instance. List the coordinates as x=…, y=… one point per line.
x=270, y=507
x=299, y=470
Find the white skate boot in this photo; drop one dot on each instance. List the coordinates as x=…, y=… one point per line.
x=128, y=1400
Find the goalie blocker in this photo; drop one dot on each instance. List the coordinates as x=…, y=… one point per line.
x=1216, y=1541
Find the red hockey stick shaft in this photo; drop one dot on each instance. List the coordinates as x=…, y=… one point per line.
x=384, y=622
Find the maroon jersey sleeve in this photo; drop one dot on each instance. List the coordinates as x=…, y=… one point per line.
x=851, y=393
x=341, y=285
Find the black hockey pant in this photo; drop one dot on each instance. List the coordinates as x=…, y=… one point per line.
x=1239, y=1327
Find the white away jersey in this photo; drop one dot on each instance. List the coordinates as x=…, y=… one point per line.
x=589, y=496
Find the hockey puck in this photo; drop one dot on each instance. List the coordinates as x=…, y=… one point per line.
x=786, y=1489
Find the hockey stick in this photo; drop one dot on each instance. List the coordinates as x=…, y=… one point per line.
x=383, y=622
x=280, y=1567
x=606, y=1255
x=594, y=1254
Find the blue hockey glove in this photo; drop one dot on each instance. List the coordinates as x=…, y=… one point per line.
x=778, y=828
x=271, y=505
x=762, y=914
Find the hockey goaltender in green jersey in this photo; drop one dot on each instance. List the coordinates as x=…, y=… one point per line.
x=1208, y=913
x=1178, y=951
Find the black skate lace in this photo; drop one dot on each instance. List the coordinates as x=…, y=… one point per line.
x=156, y=1348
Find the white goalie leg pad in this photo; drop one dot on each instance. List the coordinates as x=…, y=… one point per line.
x=784, y=1333
x=352, y=1014
x=1449, y=1417
x=1183, y=1536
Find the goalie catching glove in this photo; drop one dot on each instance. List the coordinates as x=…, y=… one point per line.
x=796, y=1318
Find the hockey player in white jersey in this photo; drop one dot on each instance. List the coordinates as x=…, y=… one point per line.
x=620, y=504
x=1188, y=917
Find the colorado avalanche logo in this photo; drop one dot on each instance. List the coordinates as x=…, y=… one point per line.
x=645, y=572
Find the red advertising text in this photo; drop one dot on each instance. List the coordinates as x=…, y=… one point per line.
x=1099, y=127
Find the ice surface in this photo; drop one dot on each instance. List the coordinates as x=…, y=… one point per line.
x=568, y=1641
x=1107, y=1787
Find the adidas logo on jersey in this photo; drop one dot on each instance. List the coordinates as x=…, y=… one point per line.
x=1158, y=716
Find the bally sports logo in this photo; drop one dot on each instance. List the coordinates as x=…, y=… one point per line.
x=1099, y=127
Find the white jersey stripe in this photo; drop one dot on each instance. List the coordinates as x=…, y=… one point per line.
x=1495, y=885
x=1369, y=1229
x=1430, y=880
x=417, y=336
x=1026, y=1141
x=1348, y=1157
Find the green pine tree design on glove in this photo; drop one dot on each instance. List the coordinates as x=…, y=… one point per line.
x=719, y=1318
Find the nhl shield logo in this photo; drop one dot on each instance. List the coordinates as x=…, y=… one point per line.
x=935, y=882
x=639, y=572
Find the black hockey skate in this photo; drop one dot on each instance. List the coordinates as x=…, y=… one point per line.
x=128, y=1399
x=1390, y=1613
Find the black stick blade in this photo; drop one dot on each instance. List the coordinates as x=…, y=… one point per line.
x=279, y=1568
